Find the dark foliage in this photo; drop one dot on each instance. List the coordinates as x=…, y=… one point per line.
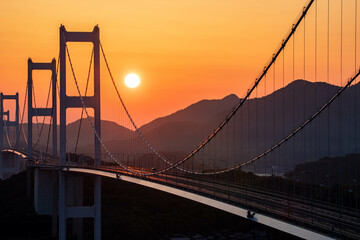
x=128, y=212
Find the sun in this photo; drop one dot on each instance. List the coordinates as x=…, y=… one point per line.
x=132, y=80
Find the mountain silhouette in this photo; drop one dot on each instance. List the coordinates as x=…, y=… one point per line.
x=260, y=123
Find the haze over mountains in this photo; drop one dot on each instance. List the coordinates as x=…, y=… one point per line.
x=262, y=122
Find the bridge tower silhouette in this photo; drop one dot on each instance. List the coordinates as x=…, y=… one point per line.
x=67, y=102
x=34, y=111
x=41, y=177
x=7, y=124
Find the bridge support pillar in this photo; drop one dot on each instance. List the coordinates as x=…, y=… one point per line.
x=71, y=206
x=79, y=212
x=43, y=192
x=76, y=191
x=46, y=195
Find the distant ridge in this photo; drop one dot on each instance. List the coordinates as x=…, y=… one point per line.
x=286, y=108
x=199, y=112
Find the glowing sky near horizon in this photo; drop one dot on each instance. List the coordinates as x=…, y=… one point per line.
x=184, y=50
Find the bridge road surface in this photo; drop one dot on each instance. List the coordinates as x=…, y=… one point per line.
x=315, y=214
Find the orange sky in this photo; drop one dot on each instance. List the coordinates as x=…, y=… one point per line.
x=183, y=51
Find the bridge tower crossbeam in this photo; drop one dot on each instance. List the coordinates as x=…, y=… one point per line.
x=77, y=102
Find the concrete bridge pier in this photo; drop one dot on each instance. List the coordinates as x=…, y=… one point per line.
x=75, y=198
x=43, y=191
x=73, y=207
x=46, y=197
x=45, y=194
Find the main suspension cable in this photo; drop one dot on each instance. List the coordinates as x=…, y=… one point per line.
x=88, y=117
x=270, y=149
x=235, y=109
x=43, y=122
x=37, y=123
x=52, y=109
x=7, y=132
x=22, y=120
x=222, y=124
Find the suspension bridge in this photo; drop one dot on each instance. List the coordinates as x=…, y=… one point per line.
x=286, y=155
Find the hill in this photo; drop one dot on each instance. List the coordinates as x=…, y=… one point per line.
x=262, y=122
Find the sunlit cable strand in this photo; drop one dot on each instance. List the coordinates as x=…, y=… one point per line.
x=256, y=120
x=328, y=76
x=248, y=127
x=7, y=133
x=128, y=114
x=22, y=120
x=283, y=103
x=43, y=122
x=48, y=137
x=103, y=145
x=304, y=60
x=241, y=136
x=355, y=140
x=265, y=120
x=304, y=86
x=37, y=122
x=355, y=47
x=274, y=110
x=82, y=110
x=139, y=132
x=88, y=117
x=293, y=98
x=341, y=176
x=341, y=41
x=317, y=152
x=14, y=134
x=25, y=138
x=247, y=95
x=52, y=109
